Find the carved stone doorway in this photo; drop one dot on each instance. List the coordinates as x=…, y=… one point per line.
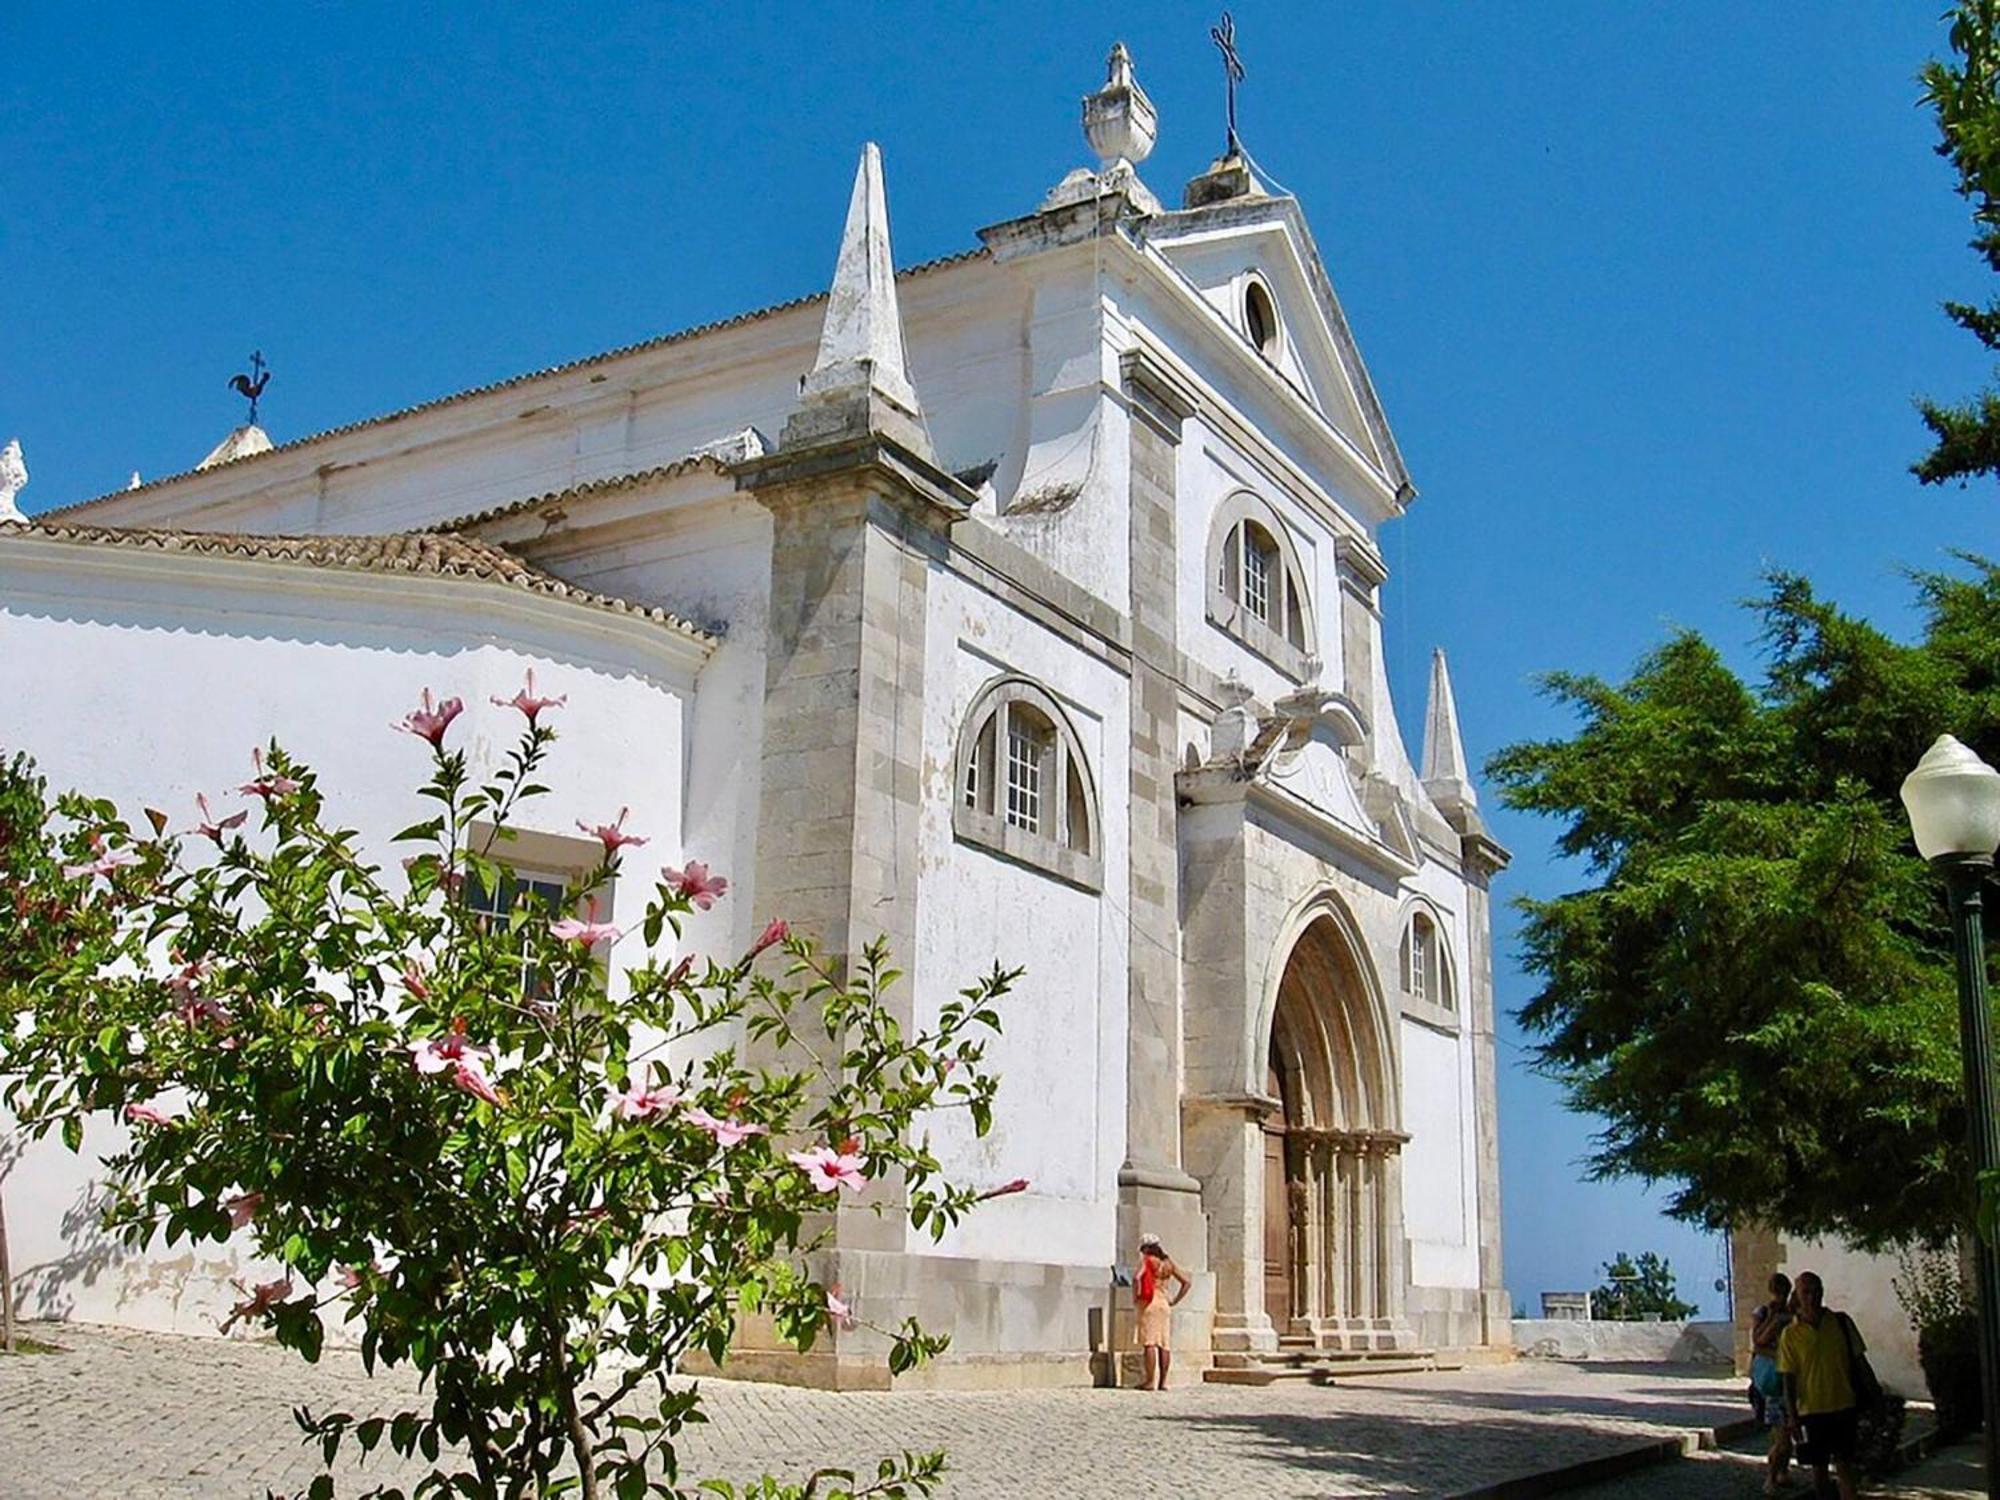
x=1337, y=1225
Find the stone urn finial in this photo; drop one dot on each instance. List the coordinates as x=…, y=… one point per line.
x=13, y=479
x=1119, y=120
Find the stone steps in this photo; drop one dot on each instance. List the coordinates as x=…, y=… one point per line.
x=1307, y=1365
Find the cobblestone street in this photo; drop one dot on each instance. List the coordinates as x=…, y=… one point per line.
x=141, y=1416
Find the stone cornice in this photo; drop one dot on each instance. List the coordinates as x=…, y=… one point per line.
x=944, y=497
x=1486, y=855
x=1215, y=785
x=1159, y=394
x=1359, y=562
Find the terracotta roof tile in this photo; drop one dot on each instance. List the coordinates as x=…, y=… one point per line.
x=427, y=554
x=611, y=485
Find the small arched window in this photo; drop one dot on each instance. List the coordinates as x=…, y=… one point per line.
x=1259, y=592
x=1023, y=787
x=1426, y=975
x=1260, y=318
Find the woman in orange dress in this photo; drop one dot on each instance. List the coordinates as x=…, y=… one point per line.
x=1156, y=1269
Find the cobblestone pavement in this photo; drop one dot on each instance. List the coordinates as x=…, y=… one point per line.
x=139, y=1416
x=1737, y=1473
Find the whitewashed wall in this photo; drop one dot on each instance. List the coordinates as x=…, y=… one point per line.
x=148, y=689
x=1060, y=1117
x=707, y=556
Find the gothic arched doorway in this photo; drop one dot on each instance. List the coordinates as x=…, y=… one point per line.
x=1332, y=1196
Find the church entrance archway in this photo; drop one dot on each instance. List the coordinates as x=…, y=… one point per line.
x=1332, y=1201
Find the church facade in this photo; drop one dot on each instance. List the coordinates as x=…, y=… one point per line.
x=1037, y=623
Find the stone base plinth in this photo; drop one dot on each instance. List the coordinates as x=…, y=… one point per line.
x=1012, y=1324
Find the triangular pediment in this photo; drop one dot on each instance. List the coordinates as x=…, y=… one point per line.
x=1225, y=249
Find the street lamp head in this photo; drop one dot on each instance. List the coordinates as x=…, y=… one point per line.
x=1953, y=799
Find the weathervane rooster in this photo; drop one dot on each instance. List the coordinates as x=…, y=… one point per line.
x=251, y=386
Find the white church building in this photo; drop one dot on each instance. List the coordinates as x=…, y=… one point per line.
x=1024, y=606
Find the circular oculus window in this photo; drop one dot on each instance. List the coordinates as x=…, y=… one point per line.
x=1260, y=319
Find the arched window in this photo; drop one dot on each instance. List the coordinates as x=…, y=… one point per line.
x=1258, y=590
x=1426, y=975
x=1023, y=787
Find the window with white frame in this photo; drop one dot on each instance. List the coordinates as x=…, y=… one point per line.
x=1029, y=742
x=535, y=878
x=1024, y=786
x=1425, y=973
x=1260, y=594
x=543, y=888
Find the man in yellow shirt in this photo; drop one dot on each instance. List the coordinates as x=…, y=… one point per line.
x=1816, y=1355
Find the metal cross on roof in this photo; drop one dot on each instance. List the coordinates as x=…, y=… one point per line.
x=251, y=386
x=1224, y=37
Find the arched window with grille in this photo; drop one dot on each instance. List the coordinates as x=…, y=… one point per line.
x=1257, y=585
x=1023, y=786
x=1425, y=968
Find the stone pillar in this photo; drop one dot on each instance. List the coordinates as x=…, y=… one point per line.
x=1155, y=1191
x=1483, y=860
x=1394, y=1247
x=1361, y=572
x=1225, y=1144
x=856, y=528
x=1312, y=1264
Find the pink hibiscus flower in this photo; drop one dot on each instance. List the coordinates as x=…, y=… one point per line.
x=266, y=784
x=108, y=860
x=838, y=1310
x=726, y=1132
x=589, y=932
x=262, y=1299
x=194, y=1009
x=776, y=932
x=430, y=721
x=641, y=1101
x=695, y=883
x=1006, y=1189
x=212, y=827
x=199, y=1010
x=526, y=701
x=470, y=1075
x=146, y=1114
x=828, y=1168
x=440, y=1053
x=612, y=835
x=242, y=1208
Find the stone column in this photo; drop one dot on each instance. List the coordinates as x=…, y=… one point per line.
x=856, y=528
x=1361, y=572
x=1225, y=1141
x=1483, y=860
x=1394, y=1246
x=1312, y=1264
x=1155, y=1190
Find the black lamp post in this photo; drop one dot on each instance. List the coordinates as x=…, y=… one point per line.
x=1953, y=799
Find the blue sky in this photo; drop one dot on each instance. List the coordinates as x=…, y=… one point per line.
x=1647, y=291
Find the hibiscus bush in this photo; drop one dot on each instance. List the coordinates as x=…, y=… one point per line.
x=458, y=1136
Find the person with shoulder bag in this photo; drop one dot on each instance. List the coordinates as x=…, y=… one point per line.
x=1828, y=1381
